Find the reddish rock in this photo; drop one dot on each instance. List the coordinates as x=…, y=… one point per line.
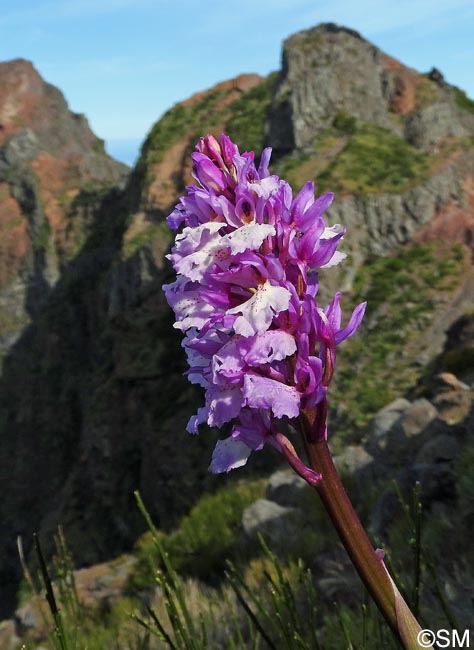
x=454, y=223
x=405, y=82
x=14, y=239
x=173, y=171
x=21, y=94
x=240, y=84
x=48, y=158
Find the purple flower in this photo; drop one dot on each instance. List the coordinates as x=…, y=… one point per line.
x=255, y=338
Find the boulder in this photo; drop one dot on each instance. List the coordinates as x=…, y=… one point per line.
x=437, y=480
x=353, y=459
x=441, y=448
x=434, y=470
x=453, y=398
x=286, y=488
x=103, y=584
x=383, y=422
x=31, y=618
x=9, y=639
x=417, y=417
x=276, y=523
x=412, y=429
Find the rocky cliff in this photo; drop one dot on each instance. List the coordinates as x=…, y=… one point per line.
x=331, y=69
x=92, y=401
x=53, y=170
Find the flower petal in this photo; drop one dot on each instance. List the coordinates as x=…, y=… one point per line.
x=251, y=429
x=224, y=404
x=190, y=309
x=353, y=324
x=196, y=420
x=228, y=454
x=249, y=237
x=273, y=345
x=261, y=392
x=259, y=310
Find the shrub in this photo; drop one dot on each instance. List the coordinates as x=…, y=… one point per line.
x=204, y=539
x=463, y=101
x=345, y=123
x=248, y=116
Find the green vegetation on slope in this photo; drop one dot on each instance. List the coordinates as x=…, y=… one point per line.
x=463, y=101
x=243, y=119
x=248, y=114
x=179, y=121
x=265, y=598
x=380, y=362
x=204, y=539
x=357, y=157
x=375, y=161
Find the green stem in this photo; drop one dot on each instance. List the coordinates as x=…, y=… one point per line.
x=369, y=565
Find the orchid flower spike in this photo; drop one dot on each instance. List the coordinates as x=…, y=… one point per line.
x=247, y=259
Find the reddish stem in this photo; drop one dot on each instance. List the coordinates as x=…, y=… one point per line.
x=369, y=565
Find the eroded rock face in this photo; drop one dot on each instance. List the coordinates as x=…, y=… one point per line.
x=330, y=75
x=52, y=168
x=382, y=222
x=317, y=81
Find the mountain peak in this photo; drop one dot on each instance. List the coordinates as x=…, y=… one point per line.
x=13, y=66
x=21, y=88
x=328, y=28
x=330, y=70
x=49, y=158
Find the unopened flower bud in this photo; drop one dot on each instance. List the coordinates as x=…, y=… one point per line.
x=206, y=172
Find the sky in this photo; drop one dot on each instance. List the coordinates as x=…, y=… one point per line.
x=123, y=63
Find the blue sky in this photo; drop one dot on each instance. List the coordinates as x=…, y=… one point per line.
x=124, y=62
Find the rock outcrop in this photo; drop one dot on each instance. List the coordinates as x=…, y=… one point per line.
x=330, y=69
x=95, y=589
x=53, y=170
